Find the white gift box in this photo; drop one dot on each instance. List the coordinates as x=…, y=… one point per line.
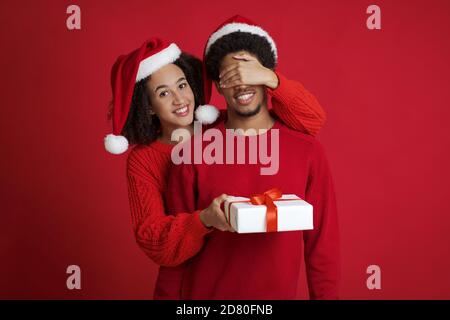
x=245, y=217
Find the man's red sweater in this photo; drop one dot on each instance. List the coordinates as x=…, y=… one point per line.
x=259, y=265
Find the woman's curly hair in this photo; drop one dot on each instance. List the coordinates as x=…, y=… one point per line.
x=142, y=127
x=234, y=42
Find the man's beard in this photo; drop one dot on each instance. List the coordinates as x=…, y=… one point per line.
x=248, y=114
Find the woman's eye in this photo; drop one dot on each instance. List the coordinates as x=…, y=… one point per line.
x=163, y=94
x=183, y=85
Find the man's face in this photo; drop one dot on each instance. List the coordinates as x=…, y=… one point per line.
x=243, y=100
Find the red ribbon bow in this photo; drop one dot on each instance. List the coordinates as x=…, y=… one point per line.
x=267, y=199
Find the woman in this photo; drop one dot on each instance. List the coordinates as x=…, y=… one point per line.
x=156, y=89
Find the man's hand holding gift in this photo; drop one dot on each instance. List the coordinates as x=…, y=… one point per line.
x=213, y=216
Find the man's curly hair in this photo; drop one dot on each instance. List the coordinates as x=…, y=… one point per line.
x=143, y=128
x=234, y=42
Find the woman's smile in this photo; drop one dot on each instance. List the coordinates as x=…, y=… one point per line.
x=182, y=111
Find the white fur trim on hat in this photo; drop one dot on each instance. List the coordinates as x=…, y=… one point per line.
x=157, y=61
x=206, y=114
x=243, y=27
x=116, y=144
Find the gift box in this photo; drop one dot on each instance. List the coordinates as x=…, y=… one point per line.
x=269, y=212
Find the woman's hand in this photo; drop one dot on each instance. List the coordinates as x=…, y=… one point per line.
x=247, y=71
x=213, y=216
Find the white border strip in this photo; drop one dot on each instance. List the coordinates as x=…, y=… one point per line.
x=157, y=61
x=243, y=27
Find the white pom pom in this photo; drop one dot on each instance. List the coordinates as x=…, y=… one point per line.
x=206, y=114
x=116, y=144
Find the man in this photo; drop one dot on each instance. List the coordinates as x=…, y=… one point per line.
x=258, y=265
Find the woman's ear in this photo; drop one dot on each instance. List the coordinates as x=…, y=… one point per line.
x=151, y=110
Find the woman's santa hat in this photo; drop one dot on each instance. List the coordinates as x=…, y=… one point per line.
x=232, y=25
x=126, y=72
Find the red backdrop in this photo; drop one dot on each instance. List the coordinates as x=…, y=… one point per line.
x=64, y=199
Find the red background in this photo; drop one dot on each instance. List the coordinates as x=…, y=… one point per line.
x=64, y=199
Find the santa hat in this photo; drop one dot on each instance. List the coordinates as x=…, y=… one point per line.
x=232, y=25
x=126, y=72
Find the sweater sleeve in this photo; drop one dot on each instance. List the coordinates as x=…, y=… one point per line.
x=296, y=106
x=322, y=258
x=180, y=197
x=168, y=240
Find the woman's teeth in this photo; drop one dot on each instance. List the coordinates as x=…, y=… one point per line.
x=181, y=111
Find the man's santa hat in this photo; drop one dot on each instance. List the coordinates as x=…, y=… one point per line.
x=232, y=25
x=132, y=68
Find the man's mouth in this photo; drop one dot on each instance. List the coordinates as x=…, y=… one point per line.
x=245, y=98
x=182, y=111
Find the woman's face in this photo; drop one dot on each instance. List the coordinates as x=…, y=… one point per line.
x=171, y=97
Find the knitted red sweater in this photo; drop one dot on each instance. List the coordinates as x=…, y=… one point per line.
x=170, y=240
x=257, y=265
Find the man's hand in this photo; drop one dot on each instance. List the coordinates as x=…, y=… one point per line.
x=213, y=216
x=247, y=71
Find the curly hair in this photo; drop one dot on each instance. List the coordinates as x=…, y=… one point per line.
x=234, y=42
x=141, y=127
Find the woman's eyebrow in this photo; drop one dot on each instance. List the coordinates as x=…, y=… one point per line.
x=165, y=86
x=160, y=87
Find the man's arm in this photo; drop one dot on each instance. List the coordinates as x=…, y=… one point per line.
x=322, y=257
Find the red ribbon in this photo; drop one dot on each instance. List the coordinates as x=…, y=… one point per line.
x=266, y=199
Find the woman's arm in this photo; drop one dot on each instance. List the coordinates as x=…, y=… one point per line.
x=296, y=106
x=168, y=240
x=291, y=102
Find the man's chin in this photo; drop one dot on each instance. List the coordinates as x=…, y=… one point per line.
x=247, y=112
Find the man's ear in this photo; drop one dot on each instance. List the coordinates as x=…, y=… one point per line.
x=219, y=89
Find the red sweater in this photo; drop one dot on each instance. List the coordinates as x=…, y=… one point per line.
x=170, y=240
x=259, y=265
